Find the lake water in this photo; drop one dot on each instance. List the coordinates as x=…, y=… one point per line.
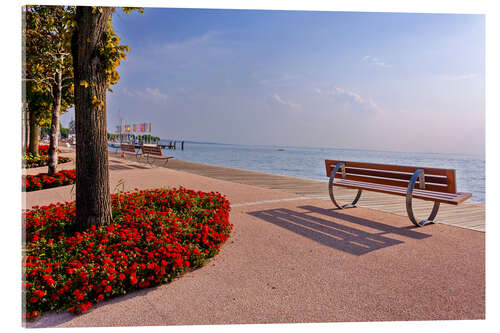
x=310, y=162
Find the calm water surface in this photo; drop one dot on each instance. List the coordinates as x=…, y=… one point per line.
x=309, y=162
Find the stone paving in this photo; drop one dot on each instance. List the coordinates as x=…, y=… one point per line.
x=295, y=259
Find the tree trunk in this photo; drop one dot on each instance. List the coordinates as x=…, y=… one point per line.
x=93, y=206
x=54, y=127
x=26, y=130
x=34, y=135
x=25, y=127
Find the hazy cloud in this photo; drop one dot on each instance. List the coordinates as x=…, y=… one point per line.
x=350, y=99
x=277, y=82
x=189, y=43
x=202, y=52
x=153, y=94
x=156, y=94
x=374, y=61
x=458, y=76
x=288, y=103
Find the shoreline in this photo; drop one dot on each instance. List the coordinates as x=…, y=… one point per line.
x=238, y=169
x=469, y=215
x=215, y=171
x=308, y=163
x=174, y=164
x=477, y=155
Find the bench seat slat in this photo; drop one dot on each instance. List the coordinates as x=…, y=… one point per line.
x=152, y=150
x=129, y=149
x=437, y=180
x=158, y=157
x=404, y=176
x=389, y=167
x=395, y=189
x=394, y=182
x=449, y=198
x=154, y=153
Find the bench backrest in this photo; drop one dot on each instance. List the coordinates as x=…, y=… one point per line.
x=439, y=180
x=151, y=150
x=128, y=148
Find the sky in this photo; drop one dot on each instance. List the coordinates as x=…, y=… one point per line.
x=381, y=81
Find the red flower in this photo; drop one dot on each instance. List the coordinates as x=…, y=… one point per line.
x=85, y=306
x=48, y=280
x=133, y=278
x=79, y=295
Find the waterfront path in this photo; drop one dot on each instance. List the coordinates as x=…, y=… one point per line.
x=293, y=258
x=470, y=215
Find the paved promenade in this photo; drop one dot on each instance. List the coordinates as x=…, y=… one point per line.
x=293, y=258
x=469, y=215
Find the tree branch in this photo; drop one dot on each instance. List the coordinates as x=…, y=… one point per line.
x=47, y=80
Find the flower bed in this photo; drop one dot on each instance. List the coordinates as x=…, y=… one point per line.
x=42, y=150
x=30, y=161
x=42, y=181
x=155, y=235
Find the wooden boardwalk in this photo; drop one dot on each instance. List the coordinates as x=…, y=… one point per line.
x=470, y=215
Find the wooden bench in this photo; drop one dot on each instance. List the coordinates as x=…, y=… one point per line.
x=153, y=153
x=129, y=150
x=431, y=184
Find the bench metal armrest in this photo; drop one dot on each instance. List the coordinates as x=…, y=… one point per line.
x=419, y=174
x=331, y=183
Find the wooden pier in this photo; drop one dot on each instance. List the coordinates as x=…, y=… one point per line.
x=469, y=215
x=171, y=145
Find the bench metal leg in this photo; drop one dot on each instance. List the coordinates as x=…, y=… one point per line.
x=330, y=191
x=149, y=161
x=409, y=207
